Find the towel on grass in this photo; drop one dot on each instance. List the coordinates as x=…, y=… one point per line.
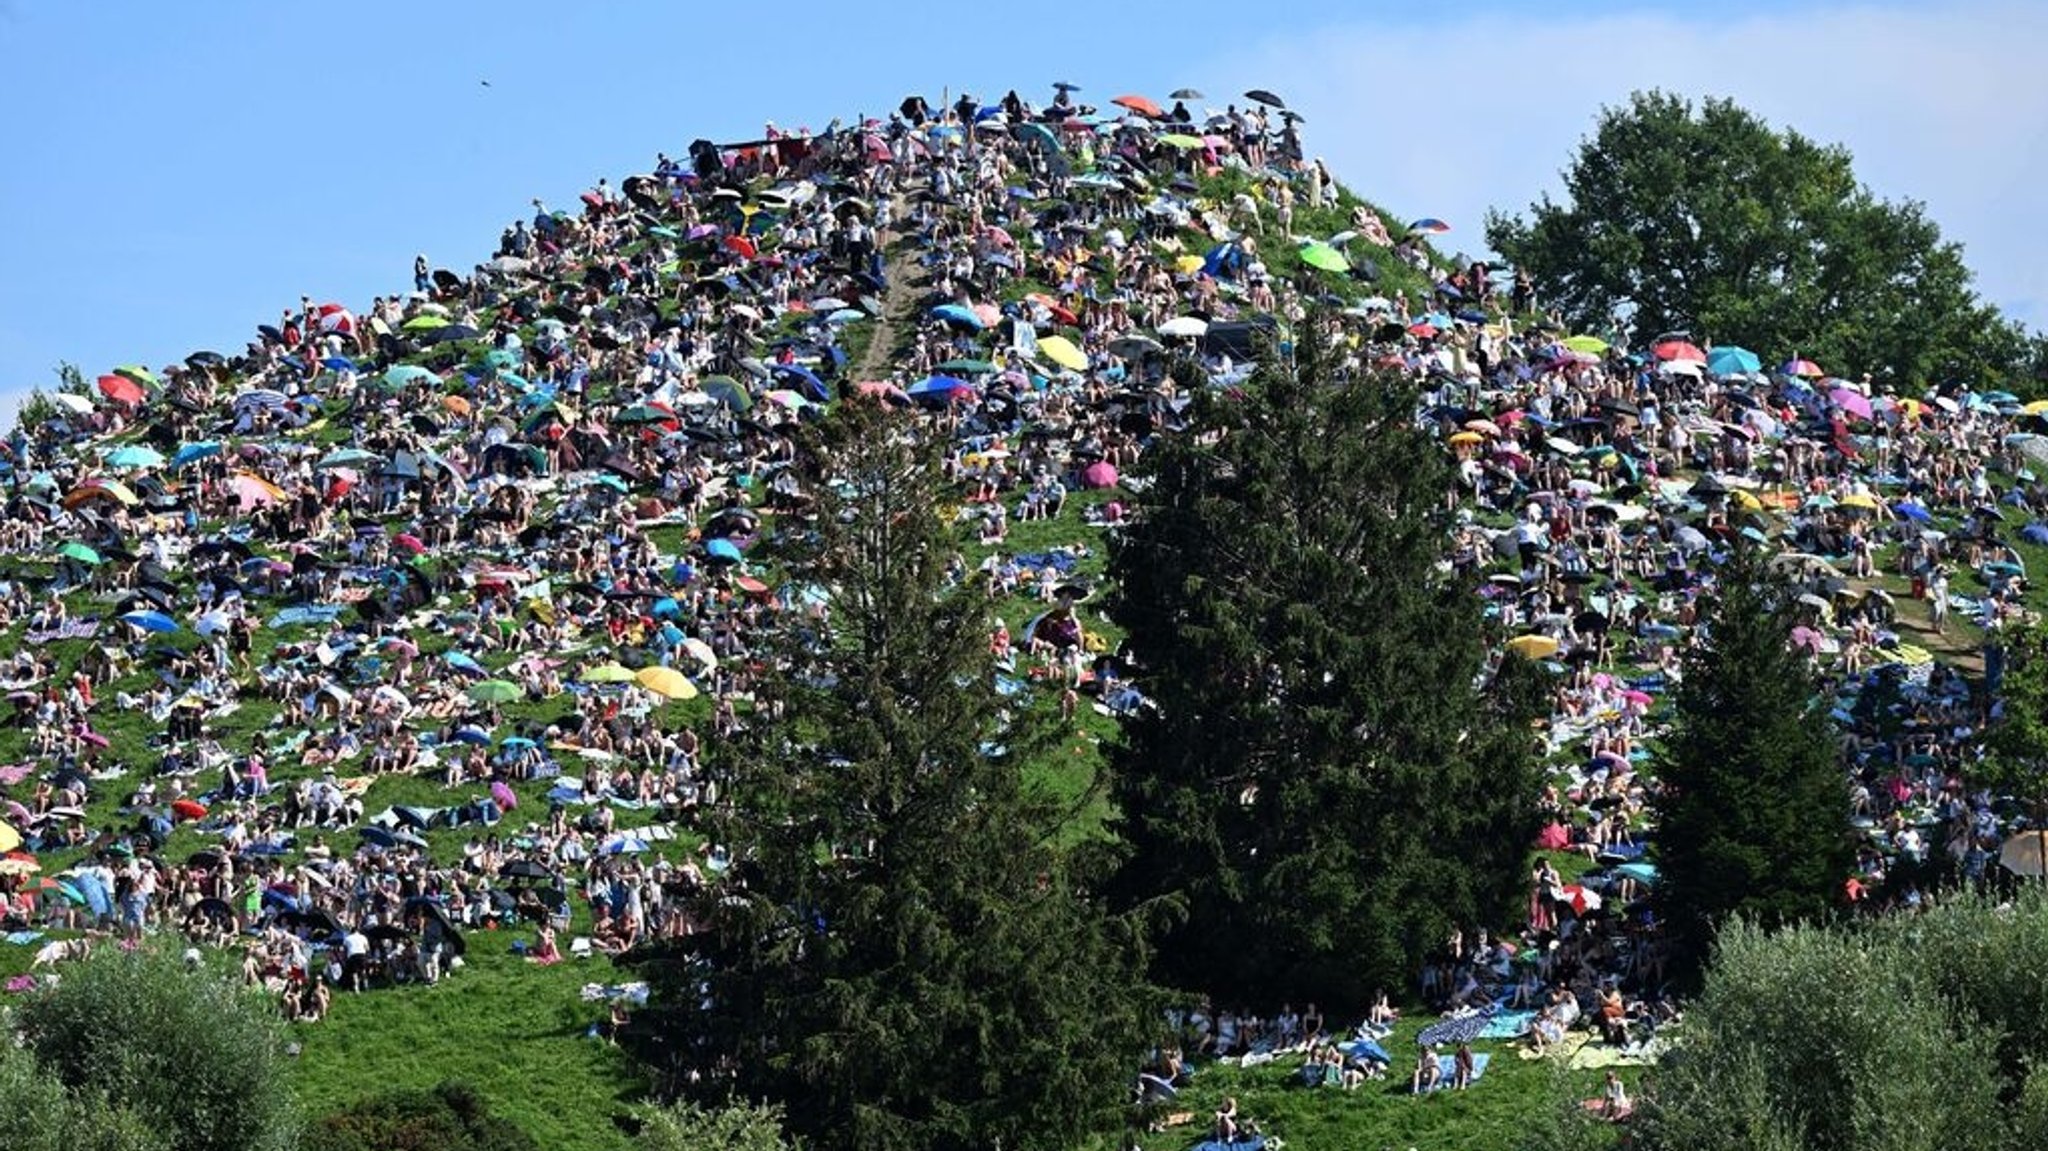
x=1600, y=1056
x=1508, y=1025
x=1447, y=1065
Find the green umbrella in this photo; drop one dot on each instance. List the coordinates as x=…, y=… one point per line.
x=81, y=553
x=140, y=375
x=495, y=691
x=608, y=673
x=968, y=367
x=1321, y=255
x=1587, y=345
x=425, y=322
x=727, y=391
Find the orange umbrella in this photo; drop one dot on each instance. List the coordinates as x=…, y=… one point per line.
x=1141, y=106
x=456, y=404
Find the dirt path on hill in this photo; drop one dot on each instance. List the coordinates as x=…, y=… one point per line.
x=897, y=299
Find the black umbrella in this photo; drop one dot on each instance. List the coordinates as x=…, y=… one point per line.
x=446, y=280
x=383, y=932
x=523, y=869
x=449, y=333
x=1262, y=96
x=215, y=909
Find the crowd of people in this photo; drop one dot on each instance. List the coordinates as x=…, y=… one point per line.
x=378, y=544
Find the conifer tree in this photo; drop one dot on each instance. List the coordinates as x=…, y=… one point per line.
x=1325, y=790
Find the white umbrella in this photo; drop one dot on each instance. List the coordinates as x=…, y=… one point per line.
x=1185, y=327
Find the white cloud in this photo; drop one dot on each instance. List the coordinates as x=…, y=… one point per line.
x=1944, y=104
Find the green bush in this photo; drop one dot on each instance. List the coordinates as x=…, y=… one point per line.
x=450, y=1117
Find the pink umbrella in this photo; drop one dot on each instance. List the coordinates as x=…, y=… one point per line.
x=1636, y=698
x=1679, y=350
x=1100, y=474
x=1851, y=401
x=504, y=796
x=406, y=541
x=394, y=643
x=1798, y=367
x=1806, y=637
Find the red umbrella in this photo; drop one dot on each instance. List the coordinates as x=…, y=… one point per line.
x=188, y=809
x=1140, y=105
x=121, y=390
x=1678, y=350
x=742, y=245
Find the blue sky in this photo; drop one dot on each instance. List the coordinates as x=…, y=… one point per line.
x=181, y=172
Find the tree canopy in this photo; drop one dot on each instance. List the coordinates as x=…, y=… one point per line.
x=1709, y=220
x=1895, y=1033
x=901, y=955
x=1752, y=817
x=1322, y=792
x=190, y=1053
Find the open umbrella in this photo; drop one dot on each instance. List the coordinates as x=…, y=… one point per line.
x=608, y=673
x=494, y=691
x=150, y=621
x=1429, y=225
x=1060, y=350
x=135, y=456
x=1317, y=254
x=1729, y=360
x=666, y=682
x=1533, y=646
x=1140, y=105
x=1100, y=474
x=1262, y=96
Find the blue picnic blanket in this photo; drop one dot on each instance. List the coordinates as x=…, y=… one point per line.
x=1508, y=1025
x=1058, y=561
x=1447, y=1066
x=1367, y=1049
x=1255, y=1143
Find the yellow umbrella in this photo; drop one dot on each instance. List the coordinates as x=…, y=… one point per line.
x=9, y=838
x=666, y=682
x=101, y=489
x=1533, y=646
x=1746, y=501
x=1061, y=350
x=1858, y=500
x=2033, y=409
x=1462, y=439
x=1188, y=265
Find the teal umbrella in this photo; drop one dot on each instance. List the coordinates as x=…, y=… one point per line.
x=349, y=458
x=135, y=456
x=1730, y=360
x=404, y=374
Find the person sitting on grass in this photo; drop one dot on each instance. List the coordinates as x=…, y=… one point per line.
x=1429, y=1074
x=1466, y=1067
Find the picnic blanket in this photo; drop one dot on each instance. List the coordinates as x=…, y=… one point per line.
x=1255, y=1143
x=1600, y=1056
x=1508, y=1025
x=1455, y=1029
x=1447, y=1068
x=1564, y=1048
x=69, y=629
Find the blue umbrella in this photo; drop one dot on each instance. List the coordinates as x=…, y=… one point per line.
x=723, y=549
x=943, y=389
x=193, y=452
x=461, y=662
x=338, y=364
x=1913, y=511
x=150, y=621
x=667, y=608
x=807, y=382
x=959, y=314
x=134, y=456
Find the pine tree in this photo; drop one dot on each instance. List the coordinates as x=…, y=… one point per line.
x=1323, y=792
x=1752, y=816
x=900, y=956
